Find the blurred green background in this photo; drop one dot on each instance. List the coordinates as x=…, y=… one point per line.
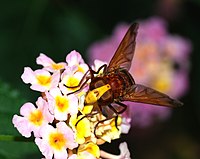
x=56, y=27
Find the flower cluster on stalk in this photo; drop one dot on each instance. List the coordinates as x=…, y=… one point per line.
x=59, y=119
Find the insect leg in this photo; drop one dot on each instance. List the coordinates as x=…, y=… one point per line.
x=80, y=83
x=88, y=115
x=118, y=112
x=101, y=121
x=104, y=67
x=115, y=111
x=116, y=118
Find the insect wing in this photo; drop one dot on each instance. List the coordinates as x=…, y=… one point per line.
x=107, y=112
x=124, y=54
x=142, y=94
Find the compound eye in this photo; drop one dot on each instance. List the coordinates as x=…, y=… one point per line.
x=96, y=82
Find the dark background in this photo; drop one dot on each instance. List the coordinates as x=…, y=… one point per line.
x=56, y=27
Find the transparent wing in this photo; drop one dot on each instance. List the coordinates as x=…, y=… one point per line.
x=107, y=112
x=124, y=54
x=142, y=94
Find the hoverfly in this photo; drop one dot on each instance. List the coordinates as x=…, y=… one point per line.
x=116, y=84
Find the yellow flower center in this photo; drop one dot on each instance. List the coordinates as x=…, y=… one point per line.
x=72, y=81
x=57, y=141
x=91, y=148
x=82, y=128
x=36, y=117
x=44, y=80
x=62, y=103
x=57, y=66
x=80, y=69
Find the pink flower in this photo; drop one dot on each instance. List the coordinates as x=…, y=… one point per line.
x=62, y=105
x=125, y=125
x=70, y=77
x=63, y=126
x=98, y=64
x=40, y=80
x=156, y=54
x=56, y=141
x=178, y=49
x=32, y=118
x=49, y=64
x=75, y=59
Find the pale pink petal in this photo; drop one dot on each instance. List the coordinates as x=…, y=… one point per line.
x=73, y=104
x=44, y=60
x=68, y=71
x=22, y=125
x=74, y=58
x=125, y=125
x=44, y=108
x=48, y=63
x=42, y=72
x=37, y=87
x=51, y=102
x=69, y=134
x=55, y=79
x=44, y=148
x=26, y=109
x=55, y=92
x=64, y=89
x=61, y=154
x=36, y=130
x=74, y=156
x=98, y=64
x=28, y=76
x=124, y=152
x=61, y=116
x=46, y=130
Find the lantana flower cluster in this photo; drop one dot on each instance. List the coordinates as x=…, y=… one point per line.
x=59, y=119
x=161, y=61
